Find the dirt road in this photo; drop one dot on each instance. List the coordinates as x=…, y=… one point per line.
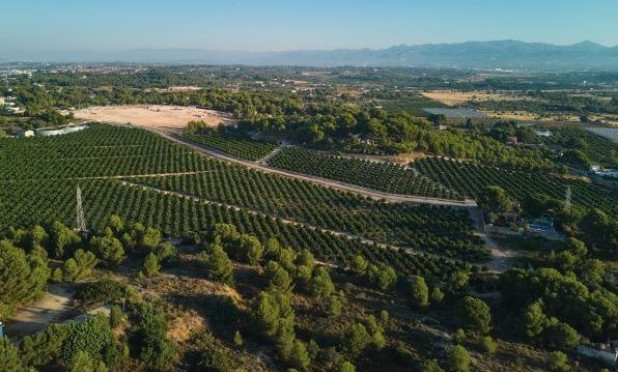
x=379, y=195
x=54, y=306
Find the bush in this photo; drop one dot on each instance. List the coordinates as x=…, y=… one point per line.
x=557, y=361
x=299, y=357
x=166, y=253
x=489, y=345
x=101, y=292
x=430, y=365
x=148, y=336
x=419, y=293
x=151, y=266
x=475, y=314
x=116, y=316
x=79, y=267
x=219, y=265
x=356, y=339
x=459, y=359
x=22, y=277
x=321, y=284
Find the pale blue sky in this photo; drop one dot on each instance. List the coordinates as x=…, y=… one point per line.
x=255, y=25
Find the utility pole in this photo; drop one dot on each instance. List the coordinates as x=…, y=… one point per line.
x=81, y=221
x=567, y=202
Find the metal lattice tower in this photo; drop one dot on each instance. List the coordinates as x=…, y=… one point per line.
x=567, y=201
x=81, y=221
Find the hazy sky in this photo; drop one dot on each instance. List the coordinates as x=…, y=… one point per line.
x=111, y=25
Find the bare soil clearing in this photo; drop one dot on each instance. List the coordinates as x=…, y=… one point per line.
x=453, y=98
x=52, y=307
x=170, y=118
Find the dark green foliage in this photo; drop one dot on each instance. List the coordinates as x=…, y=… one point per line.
x=9, y=356
x=151, y=266
x=459, y=360
x=389, y=177
x=83, y=362
x=273, y=317
x=79, y=266
x=116, y=316
x=430, y=365
x=557, y=361
x=22, y=277
x=108, y=248
x=419, y=292
x=470, y=179
x=166, y=253
x=562, y=305
x=475, y=314
x=382, y=276
x=147, y=335
x=43, y=347
x=238, y=146
x=489, y=345
x=278, y=277
x=92, y=336
x=101, y=292
x=63, y=240
x=299, y=357
x=218, y=265
x=494, y=199
x=321, y=284
x=356, y=339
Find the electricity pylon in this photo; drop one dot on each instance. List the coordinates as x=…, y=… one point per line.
x=81, y=221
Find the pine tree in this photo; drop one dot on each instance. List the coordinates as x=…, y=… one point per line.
x=299, y=357
x=151, y=265
x=9, y=356
x=219, y=265
x=321, y=284
x=459, y=359
x=419, y=292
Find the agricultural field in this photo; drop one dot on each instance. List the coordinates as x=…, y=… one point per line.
x=383, y=176
x=430, y=229
x=470, y=179
x=609, y=133
x=42, y=202
x=113, y=159
x=240, y=147
x=595, y=143
x=216, y=251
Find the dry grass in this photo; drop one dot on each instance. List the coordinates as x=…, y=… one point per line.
x=172, y=118
x=454, y=98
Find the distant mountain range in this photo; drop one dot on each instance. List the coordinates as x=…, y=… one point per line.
x=507, y=54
